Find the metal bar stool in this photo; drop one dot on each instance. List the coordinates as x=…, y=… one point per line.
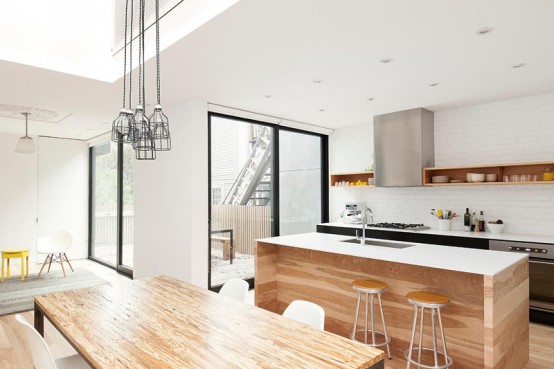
x=435, y=302
x=370, y=288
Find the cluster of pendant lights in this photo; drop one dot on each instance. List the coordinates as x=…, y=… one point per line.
x=147, y=135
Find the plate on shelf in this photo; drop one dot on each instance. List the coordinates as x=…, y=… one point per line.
x=440, y=179
x=457, y=181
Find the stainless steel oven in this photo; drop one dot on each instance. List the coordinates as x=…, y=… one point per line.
x=541, y=276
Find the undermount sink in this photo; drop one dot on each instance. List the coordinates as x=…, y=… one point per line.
x=394, y=245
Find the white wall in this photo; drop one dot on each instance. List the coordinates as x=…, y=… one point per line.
x=63, y=191
x=51, y=185
x=171, y=201
x=18, y=196
x=518, y=130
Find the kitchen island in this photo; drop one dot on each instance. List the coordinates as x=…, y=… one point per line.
x=486, y=324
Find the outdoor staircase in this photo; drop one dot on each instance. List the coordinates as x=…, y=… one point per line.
x=253, y=184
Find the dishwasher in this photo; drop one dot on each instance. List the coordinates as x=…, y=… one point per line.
x=541, y=276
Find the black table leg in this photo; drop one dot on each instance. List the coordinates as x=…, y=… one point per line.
x=39, y=320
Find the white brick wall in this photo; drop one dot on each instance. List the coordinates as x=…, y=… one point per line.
x=517, y=130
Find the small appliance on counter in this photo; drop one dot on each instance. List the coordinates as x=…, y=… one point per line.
x=352, y=213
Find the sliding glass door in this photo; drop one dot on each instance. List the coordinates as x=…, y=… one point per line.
x=300, y=178
x=241, y=195
x=264, y=181
x=111, y=206
x=103, y=224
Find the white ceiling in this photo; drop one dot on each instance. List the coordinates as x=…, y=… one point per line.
x=278, y=47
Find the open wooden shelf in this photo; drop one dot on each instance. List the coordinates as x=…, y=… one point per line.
x=460, y=173
x=351, y=177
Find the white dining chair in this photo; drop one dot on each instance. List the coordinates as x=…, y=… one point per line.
x=42, y=356
x=55, y=246
x=235, y=288
x=306, y=312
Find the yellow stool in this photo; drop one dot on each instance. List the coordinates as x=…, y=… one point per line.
x=10, y=254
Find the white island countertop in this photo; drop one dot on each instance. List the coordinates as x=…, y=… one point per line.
x=485, y=262
x=519, y=237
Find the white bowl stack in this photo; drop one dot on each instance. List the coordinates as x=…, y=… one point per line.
x=440, y=179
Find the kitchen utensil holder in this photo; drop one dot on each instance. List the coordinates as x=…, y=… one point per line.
x=444, y=224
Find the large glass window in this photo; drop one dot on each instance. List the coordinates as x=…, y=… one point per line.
x=104, y=235
x=264, y=181
x=241, y=195
x=111, y=205
x=300, y=179
x=128, y=205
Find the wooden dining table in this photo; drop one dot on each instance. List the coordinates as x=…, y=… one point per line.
x=162, y=322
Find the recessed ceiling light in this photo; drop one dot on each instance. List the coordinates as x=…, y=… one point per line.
x=320, y=110
x=484, y=31
x=519, y=65
x=370, y=99
x=318, y=81
x=386, y=60
x=268, y=96
x=433, y=84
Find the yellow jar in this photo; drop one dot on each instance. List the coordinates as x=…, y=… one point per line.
x=548, y=176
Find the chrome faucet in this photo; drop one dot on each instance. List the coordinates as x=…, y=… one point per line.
x=364, y=223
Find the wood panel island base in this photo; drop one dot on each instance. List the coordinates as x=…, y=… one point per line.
x=486, y=323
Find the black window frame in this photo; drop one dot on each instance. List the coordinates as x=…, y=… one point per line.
x=119, y=267
x=275, y=229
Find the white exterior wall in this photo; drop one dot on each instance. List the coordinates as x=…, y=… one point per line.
x=517, y=130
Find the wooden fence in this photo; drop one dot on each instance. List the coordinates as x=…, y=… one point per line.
x=105, y=226
x=247, y=222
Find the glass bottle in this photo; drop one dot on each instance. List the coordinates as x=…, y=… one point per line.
x=481, y=222
x=467, y=221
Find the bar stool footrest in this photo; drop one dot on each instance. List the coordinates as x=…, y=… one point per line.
x=440, y=354
x=386, y=340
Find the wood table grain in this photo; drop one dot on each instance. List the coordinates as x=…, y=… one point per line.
x=161, y=322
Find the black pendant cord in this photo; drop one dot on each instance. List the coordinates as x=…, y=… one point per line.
x=125, y=54
x=143, y=68
x=158, y=50
x=140, y=54
x=26, y=124
x=131, y=57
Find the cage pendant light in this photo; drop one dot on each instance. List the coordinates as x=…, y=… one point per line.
x=122, y=125
x=159, y=123
x=146, y=134
x=143, y=142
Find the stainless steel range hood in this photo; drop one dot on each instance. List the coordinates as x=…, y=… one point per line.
x=404, y=145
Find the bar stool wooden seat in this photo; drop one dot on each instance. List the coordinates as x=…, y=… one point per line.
x=435, y=302
x=370, y=288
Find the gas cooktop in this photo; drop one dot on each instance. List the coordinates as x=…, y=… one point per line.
x=409, y=227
